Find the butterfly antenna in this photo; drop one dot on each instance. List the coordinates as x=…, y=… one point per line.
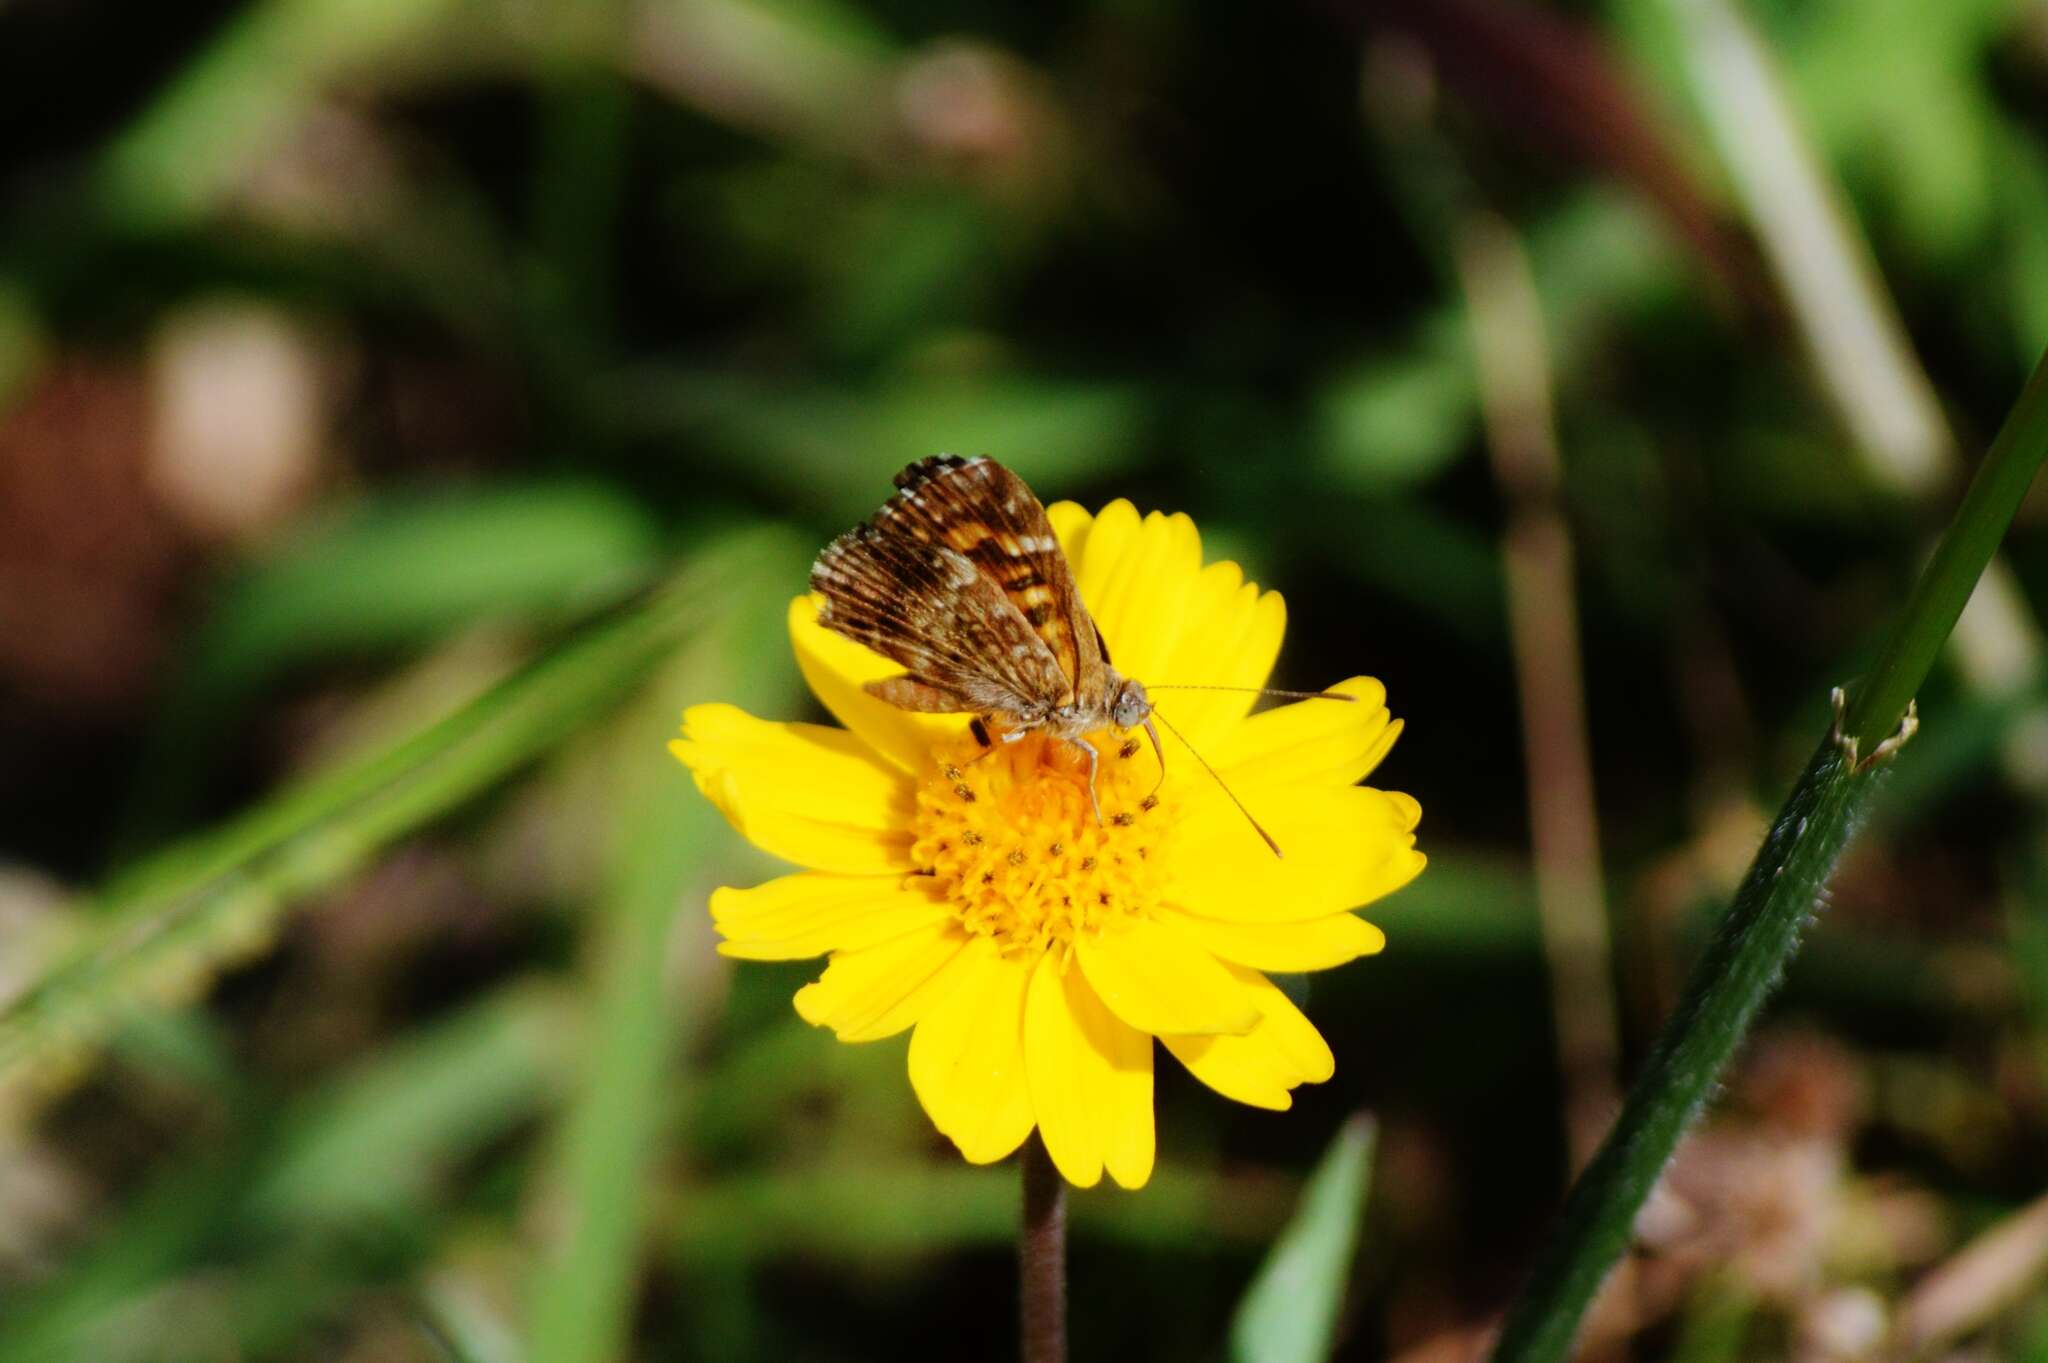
x=1257, y=827
x=1257, y=690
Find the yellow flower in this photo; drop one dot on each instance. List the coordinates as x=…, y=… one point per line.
x=973, y=896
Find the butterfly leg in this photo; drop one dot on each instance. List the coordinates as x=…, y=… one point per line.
x=1094, y=761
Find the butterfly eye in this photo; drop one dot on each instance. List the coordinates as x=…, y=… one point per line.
x=1131, y=706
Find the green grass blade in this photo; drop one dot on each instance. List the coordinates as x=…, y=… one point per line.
x=396, y=573
x=1777, y=898
x=160, y=933
x=402, y=568
x=1289, y=1314
x=597, y=1187
x=1878, y=704
x=583, y=1296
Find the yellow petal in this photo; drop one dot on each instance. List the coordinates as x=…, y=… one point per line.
x=1167, y=618
x=878, y=991
x=1310, y=742
x=1315, y=944
x=1135, y=576
x=1128, y=1138
x=1071, y=522
x=1159, y=979
x=802, y=792
x=836, y=668
x=1091, y=1080
x=810, y=914
x=1342, y=847
x=1231, y=637
x=967, y=1055
x=1063, y=1071
x=1261, y=1066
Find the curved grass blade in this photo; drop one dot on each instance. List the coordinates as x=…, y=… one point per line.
x=160, y=933
x=1778, y=897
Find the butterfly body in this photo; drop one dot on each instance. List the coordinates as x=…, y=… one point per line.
x=960, y=579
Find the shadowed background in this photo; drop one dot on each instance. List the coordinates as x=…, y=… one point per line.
x=1591, y=374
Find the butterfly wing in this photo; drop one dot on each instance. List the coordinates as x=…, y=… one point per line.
x=926, y=607
x=987, y=514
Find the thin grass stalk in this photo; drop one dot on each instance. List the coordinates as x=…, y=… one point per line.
x=1777, y=898
x=1543, y=627
x=653, y=984
x=1816, y=250
x=1837, y=298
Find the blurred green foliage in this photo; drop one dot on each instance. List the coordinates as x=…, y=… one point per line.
x=360, y=996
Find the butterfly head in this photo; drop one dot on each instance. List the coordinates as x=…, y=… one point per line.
x=1130, y=706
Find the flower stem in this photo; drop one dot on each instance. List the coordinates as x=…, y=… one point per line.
x=1042, y=1257
x=1779, y=895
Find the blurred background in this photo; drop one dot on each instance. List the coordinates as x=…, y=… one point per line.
x=408, y=406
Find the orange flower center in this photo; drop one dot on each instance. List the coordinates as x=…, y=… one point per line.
x=1009, y=833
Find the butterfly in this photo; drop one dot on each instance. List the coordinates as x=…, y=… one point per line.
x=960, y=579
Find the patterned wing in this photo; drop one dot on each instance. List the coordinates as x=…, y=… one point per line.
x=926, y=607
x=984, y=512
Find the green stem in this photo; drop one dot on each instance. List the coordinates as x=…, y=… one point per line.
x=1944, y=588
x=1778, y=896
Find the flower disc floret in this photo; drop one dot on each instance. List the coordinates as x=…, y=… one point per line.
x=1012, y=844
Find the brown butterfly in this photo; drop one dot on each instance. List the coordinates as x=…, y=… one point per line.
x=960, y=579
